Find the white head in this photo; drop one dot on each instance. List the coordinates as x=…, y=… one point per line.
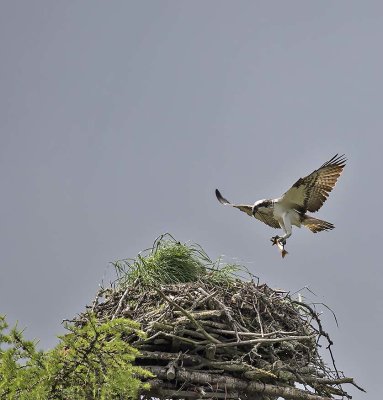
x=258, y=205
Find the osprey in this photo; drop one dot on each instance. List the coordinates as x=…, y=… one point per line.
x=307, y=194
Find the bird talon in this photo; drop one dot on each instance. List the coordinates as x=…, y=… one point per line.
x=274, y=240
x=282, y=241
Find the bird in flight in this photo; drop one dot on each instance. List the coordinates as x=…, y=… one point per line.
x=307, y=194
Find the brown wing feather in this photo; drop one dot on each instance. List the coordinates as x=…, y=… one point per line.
x=267, y=219
x=263, y=217
x=309, y=193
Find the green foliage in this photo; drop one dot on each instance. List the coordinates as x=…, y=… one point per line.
x=21, y=366
x=171, y=262
x=226, y=274
x=92, y=361
x=168, y=261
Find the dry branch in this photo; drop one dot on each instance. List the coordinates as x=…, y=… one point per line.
x=234, y=384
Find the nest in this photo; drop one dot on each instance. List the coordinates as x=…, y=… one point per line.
x=221, y=337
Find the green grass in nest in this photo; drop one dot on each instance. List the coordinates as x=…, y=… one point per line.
x=167, y=262
x=170, y=262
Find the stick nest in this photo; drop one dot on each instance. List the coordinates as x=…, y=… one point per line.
x=215, y=335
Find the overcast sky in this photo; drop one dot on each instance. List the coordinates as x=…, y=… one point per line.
x=118, y=119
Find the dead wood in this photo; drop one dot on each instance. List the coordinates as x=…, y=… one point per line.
x=235, y=338
x=224, y=338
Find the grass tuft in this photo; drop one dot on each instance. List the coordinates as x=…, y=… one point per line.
x=169, y=262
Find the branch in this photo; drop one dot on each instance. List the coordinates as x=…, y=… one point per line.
x=190, y=316
x=224, y=308
x=159, y=355
x=321, y=331
x=185, y=394
x=264, y=340
x=234, y=384
x=200, y=315
x=120, y=303
x=250, y=371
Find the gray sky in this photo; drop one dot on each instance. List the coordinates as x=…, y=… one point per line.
x=118, y=120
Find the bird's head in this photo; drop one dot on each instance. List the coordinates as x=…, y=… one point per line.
x=260, y=204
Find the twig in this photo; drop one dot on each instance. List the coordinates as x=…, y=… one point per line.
x=120, y=303
x=264, y=340
x=188, y=315
x=321, y=331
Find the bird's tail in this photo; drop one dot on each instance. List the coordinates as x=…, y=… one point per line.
x=316, y=225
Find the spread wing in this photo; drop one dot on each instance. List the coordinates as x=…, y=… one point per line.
x=263, y=217
x=309, y=193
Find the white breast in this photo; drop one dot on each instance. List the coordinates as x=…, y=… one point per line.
x=280, y=211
